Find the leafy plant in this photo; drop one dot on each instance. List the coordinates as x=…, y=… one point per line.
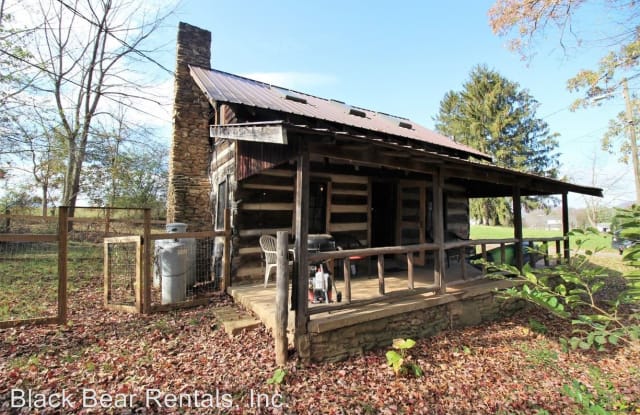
x=278, y=377
x=571, y=291
x=399, y=360
x=599, y=399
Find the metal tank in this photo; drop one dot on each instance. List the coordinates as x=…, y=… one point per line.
x=173, y=261
x=190, y=259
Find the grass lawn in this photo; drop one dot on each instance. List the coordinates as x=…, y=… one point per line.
x=29, y=276
x=603, y=240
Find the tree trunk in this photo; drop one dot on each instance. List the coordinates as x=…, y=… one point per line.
x=72, y=178
x=44, y=199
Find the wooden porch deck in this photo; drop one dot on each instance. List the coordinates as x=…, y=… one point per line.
x=261, y=301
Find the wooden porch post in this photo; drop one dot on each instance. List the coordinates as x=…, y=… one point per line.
x=517, y=227
x=565, y=227
x=438, y=231
x=282, y=285
x=300, y=282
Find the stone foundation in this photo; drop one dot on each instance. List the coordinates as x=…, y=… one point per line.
x=451, y=312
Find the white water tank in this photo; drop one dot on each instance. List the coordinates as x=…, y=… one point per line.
x=190, y=244
x=173, y=264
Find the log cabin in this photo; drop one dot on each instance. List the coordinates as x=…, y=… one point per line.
x=380, y=186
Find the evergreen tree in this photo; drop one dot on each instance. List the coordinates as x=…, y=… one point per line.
x=497, y=117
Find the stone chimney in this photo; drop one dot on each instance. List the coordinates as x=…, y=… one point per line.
x=188, y=192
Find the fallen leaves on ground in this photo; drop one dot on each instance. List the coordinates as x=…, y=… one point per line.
x=182, y=362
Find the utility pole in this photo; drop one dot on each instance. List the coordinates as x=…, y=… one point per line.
x=631, y=126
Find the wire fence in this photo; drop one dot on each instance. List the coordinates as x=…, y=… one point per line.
x=162, y=271
x=117, y=251
x=33, y=278
x=29, y=280
x=122, y=271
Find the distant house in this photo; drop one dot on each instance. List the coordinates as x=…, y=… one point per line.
x=554, y=224
x=286, y=160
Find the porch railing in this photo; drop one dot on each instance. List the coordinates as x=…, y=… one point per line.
x=409, y=250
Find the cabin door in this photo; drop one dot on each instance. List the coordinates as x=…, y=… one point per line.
x=411, y=215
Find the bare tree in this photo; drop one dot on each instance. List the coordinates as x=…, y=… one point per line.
x=127, y=167
x=86, y=52
x=594, y=206
x=38, y=153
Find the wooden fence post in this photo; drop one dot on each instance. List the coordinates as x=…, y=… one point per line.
x=282, y=291
x=62, y=264
x=146, y=283
x=107, y=275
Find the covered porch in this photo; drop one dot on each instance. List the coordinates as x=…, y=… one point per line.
x=428, y=291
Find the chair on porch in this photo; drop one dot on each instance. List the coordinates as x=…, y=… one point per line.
x=268, y=246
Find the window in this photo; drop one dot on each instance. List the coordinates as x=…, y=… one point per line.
x=221, y=204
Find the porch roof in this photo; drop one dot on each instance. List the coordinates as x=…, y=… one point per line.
x=224, y=87
x=479, y=179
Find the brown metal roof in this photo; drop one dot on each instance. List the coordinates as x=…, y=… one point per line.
x=225, y=87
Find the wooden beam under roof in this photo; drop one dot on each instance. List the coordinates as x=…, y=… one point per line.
x=269, y=132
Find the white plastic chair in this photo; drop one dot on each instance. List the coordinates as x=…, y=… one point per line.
x=268, y=245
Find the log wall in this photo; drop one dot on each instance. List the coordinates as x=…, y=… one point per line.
x=457, y=213
x=264, y=203
x=348, y=206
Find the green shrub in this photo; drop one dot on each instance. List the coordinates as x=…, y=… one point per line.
x=570, y=291
x=399, y=360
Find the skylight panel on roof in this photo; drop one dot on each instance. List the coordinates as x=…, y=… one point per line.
x=406, y=125
x=357, y=113
x=295, y=98
x=290, y=95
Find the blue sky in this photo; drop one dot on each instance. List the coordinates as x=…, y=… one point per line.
x=402, y=59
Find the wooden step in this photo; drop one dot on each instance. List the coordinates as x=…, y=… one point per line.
x=235, y=320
